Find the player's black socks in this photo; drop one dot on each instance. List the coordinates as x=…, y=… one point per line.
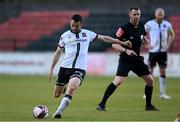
x=68, y=96
x=148, y=93
x=110, y=89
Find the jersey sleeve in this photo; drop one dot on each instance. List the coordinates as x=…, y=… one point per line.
x=61, y=42
x=92, y=35
x=144, y=30
x=119, y=32
x=147, y=27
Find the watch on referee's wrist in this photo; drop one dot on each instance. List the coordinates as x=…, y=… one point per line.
x=124, y=50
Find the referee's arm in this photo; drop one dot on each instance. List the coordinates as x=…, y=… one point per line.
x=123, y=50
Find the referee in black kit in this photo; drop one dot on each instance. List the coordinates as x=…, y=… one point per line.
x=133, y=31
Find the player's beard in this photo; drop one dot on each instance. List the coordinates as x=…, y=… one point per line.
x=159, y=20
x=75, y=31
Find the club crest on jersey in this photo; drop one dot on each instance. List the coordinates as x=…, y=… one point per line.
x=84, y=35
x=164, y=26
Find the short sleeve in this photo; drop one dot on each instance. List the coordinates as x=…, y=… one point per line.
x=147, y=27
x=92, y=35
x=61, y=42
x=169, y=26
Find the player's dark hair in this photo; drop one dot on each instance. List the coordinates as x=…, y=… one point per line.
x=134, y=8
x=77, y=18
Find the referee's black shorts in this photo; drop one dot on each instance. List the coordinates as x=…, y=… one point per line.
x=135, y=65
x=159, y=57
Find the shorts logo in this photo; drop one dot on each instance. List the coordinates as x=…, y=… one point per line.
x=79, y=73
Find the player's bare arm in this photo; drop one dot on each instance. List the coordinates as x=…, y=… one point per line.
x=146, y=42
x=122, y=49
x=109, y=39
x=170, y=38
x=54, y=62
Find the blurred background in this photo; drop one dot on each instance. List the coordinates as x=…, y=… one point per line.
x=30, y=31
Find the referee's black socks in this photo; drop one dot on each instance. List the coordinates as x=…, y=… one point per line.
x=148, y=93
x=109, y=91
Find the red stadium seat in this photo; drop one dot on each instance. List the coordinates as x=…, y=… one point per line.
x=176, y=25
x=31, y=26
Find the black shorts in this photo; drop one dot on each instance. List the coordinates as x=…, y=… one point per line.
x=67, y=73
x=135, y=65
x=160, y=58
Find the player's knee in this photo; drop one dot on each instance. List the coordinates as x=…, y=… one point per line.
x=71, y=90
x=57, y=95
x=150, y=82
x=117, y=82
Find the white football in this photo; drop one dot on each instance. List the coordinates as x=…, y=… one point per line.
x=40, y=112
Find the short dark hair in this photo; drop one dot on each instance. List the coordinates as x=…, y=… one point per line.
x=77, y=18
x=134, y=8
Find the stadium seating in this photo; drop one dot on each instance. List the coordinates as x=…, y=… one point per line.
x=35, y=30
x=107, y=24
x=176, y=25
x=31, y=26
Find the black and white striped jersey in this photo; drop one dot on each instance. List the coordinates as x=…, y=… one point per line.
x=76, y=48
x=158, y=33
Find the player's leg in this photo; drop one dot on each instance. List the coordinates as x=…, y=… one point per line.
x=71, y=87
x=76, y=77
x=61, y=81
x=109, y=91
x=162, y=82
x=151, y=64
x=151, y=69
x=162, y=79
x=122, y=72
x=141, y=69
x=148, y=91
x=57, y=91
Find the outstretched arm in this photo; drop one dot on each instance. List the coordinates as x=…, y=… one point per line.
x=109, y=39
x=54, y=62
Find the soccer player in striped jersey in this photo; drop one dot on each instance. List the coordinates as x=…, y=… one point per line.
x=73, y=68
x=161, y=35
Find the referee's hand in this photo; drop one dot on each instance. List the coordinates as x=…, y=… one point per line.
x=128, y=44
x=130, y=52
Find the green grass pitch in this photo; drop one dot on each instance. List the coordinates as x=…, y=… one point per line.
x=20, y=93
